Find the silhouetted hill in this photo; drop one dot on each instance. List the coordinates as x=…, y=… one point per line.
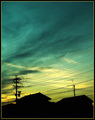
x=38, y=106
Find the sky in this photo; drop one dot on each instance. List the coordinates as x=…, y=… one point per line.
x=49, y=45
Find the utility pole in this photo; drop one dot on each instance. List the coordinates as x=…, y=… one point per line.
x=74, y=88
x=16, y=81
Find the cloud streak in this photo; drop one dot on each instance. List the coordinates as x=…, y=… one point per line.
x=70, y=61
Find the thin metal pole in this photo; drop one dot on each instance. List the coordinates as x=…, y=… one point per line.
x=74, y=87
x=74, y=90
x=16, y=89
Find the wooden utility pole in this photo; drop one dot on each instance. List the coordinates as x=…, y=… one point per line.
x=16, y=81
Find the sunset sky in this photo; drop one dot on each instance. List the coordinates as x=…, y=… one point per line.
x=49, y=45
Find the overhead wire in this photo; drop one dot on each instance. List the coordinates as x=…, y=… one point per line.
x=69, y=90
x=43, y=82
x=77, y=61
x=69, y=85
x=69, y=73
x=77, y=75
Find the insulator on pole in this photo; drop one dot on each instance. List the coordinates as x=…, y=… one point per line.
x=16, y=81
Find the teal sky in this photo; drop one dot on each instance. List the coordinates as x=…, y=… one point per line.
x=47, y=44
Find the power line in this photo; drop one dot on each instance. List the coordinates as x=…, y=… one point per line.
x=69, y=85
x=68, y=78
x=57, y=80
x=69, y=73
x=84, y=81
x=71, y=65
x=73, y=75
x=69, y=90
x=68, y=66
x=60, y=79
x=53, y=83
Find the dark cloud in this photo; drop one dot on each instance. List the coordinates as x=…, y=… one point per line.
x=7, y=91
x=28, y=71
x=6, y=82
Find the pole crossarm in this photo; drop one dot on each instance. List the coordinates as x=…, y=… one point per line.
x=17, y=81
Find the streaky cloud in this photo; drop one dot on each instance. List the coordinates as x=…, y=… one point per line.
x=28, y=71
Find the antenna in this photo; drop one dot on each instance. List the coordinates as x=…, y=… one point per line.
x=74, y=87
x=17, y=81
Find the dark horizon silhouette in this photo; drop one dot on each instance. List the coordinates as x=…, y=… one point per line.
x=38, y=106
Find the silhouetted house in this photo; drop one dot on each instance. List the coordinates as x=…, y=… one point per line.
x=75, y=107
x=38, y=106
x=33, y=99
x=35, y=105
x=9, y=110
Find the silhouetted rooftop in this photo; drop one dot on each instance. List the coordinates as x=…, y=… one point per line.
x=33, y=98
x=38, y=106
x=81, y=98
